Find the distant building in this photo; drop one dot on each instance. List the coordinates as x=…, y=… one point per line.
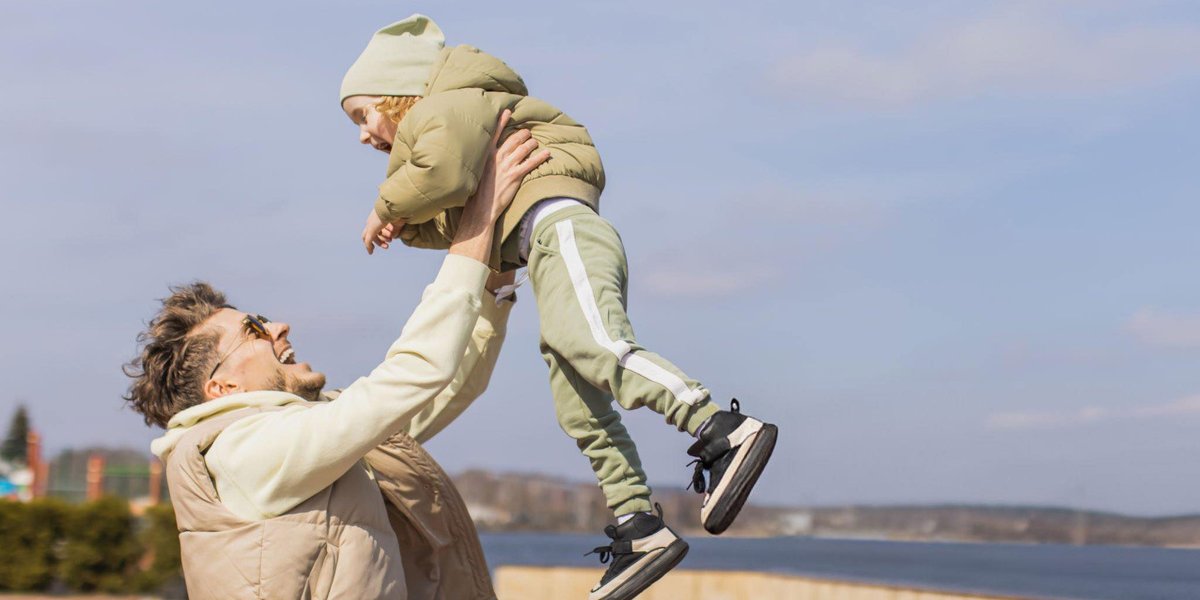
x=796, y=523
x=124, y=473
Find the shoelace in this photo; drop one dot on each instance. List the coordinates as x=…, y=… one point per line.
x=608, y=552
x=605, y=552
x=698, y=483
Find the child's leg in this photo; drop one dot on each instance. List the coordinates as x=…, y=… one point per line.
x=586, y=414
x=579, y=273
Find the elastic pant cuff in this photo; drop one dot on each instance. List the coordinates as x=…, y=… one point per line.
x=699, y=414
x=633, y=505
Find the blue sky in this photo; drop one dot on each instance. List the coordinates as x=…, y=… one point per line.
x=948, y=246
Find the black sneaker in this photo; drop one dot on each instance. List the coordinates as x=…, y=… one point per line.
x=733, y=448
x=643, y=549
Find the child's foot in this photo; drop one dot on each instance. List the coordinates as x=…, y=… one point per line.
x=733, y=448
x=643, y=549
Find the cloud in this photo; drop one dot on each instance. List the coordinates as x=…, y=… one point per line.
x=1092, y=414
x=1014, y=51
x=1156, y=328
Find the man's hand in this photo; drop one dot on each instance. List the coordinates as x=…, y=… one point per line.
x=378, y=233
x=507, y=166
x=503, y=171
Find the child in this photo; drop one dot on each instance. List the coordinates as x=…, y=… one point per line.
x=433, y=110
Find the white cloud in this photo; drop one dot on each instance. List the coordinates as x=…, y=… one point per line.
x=1157, y=328
x=1018, y=50
x=1092, y=414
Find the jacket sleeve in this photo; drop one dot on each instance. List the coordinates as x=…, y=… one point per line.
x=268, y=463
x=448, y=137
x=436, y=233
x=473, y=374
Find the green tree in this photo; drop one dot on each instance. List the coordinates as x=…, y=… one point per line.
x=14, y=448
x=101, y=549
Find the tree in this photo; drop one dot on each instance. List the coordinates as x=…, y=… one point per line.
x=14, y=448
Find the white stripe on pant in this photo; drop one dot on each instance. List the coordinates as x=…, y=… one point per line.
x=625, y=356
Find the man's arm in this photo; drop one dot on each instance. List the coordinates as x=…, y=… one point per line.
x=265, y=464
x=473, y=373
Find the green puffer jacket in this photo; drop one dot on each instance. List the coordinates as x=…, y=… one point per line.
x=442, y=142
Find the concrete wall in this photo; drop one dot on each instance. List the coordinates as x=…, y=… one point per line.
x=561, y=583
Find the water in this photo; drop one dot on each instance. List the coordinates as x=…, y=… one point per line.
x=1031, y=571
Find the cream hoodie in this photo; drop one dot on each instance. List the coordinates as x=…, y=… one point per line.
x=267, y=463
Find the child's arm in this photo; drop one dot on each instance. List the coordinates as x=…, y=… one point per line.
x=449, y=138
x=378, y=233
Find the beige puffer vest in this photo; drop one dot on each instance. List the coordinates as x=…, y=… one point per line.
x=406, y=533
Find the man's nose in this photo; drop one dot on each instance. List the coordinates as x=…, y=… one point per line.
x=278, y=331
x=363, y=136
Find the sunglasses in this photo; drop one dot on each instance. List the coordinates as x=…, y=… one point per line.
x=255, y=328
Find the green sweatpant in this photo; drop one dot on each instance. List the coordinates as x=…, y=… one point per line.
x=579, y=274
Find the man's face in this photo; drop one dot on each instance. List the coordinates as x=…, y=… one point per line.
x=374, y=129
x=252, y=362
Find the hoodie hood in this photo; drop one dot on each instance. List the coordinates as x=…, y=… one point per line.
x=463, y=67
x=180, y=423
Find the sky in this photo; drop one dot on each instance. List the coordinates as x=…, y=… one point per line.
x=948, y=247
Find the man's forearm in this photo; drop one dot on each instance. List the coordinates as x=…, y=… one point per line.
x=266, y=464
x=473, y=373
x=474, y=236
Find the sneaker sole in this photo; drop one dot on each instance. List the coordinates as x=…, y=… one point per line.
x=730, y=504
x=652, y=572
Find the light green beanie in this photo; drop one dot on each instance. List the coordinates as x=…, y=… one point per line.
x=397, y=60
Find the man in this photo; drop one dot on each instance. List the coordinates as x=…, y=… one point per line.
x=279, y=495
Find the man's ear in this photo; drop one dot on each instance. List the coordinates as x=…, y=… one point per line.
x=216, y=388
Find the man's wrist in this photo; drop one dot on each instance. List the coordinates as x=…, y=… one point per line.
x=463, y=272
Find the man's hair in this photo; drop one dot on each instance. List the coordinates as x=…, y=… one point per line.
x=395, y=107
x=175, y=359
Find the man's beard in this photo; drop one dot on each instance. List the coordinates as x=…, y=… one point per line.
x=308, y=388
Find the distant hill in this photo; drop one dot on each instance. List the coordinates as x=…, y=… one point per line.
x=535, y=502
x=531, y=502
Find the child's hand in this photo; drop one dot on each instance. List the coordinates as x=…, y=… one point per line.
x=378, y=233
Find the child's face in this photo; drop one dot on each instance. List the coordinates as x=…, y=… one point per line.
x=373, y=128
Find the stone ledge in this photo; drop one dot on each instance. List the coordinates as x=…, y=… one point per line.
x=557, y=583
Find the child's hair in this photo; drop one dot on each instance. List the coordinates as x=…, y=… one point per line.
x=395, y=107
